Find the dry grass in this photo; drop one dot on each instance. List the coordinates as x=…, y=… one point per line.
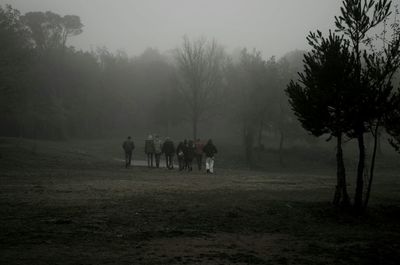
x=60, y=204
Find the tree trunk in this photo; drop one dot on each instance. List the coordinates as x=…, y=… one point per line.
x=358, y=198
x=341, y=197
x=371, y=173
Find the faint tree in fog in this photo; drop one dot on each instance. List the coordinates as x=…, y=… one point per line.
x=252, y=84
x=284, y=122
x=320, y=100
x=200, y=73
x=50, y=83
x=154, y=81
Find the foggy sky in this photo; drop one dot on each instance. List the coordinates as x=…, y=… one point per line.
x=272, y=26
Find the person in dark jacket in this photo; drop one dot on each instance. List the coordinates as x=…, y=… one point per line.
x=149, y=150
x=168, y=149
x=128, y=146
x=210, y=150
x=189, y=156
x=180, y=153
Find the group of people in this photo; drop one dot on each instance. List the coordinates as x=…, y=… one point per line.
x=186, y=152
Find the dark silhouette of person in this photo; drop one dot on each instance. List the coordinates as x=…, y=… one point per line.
x=149, y=150
x=180, y=153
x=169, y=150
x=189, y=156
x=199, y=153
x=128, y=145
x=185, y=154
x=210, y=150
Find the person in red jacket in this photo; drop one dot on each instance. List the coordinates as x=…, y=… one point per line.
x=199, y=153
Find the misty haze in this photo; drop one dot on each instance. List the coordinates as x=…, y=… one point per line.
x=199, y=132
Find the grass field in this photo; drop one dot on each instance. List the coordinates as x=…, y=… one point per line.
x=75, y=203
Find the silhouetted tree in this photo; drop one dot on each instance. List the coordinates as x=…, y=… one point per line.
x=380, y=70
x=320, y=98
x=392, y=123
x=357, y=19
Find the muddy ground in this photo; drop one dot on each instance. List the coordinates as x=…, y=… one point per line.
x=70, y=207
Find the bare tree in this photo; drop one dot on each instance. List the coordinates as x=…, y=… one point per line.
x=200, y=67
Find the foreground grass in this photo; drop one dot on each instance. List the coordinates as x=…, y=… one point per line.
x=63, y=205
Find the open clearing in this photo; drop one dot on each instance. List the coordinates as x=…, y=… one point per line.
x=74, y=208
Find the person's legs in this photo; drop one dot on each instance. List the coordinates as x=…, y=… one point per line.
x=186, y=161
x=211, y=165
x=151, y=159
x=148, y=159
x=167, y=161
x=170, y=162
x=126, y=159
x=208, y=164
x=199, y=159
x=130, y=158
x=181, y=163
x=157, y=156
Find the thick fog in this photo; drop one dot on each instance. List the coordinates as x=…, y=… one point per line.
x=272, y=26
x=181, y=68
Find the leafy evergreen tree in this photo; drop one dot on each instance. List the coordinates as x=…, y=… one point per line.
x=320, y=98
x=366, y=96
x=373, y=73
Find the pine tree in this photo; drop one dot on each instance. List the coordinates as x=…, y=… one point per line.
x=320, y=98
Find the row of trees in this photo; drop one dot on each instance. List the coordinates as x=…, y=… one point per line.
x=49, y=90
x=52, y=91
x=347, y=88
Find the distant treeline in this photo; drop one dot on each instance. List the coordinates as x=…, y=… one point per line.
x=52, y=91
